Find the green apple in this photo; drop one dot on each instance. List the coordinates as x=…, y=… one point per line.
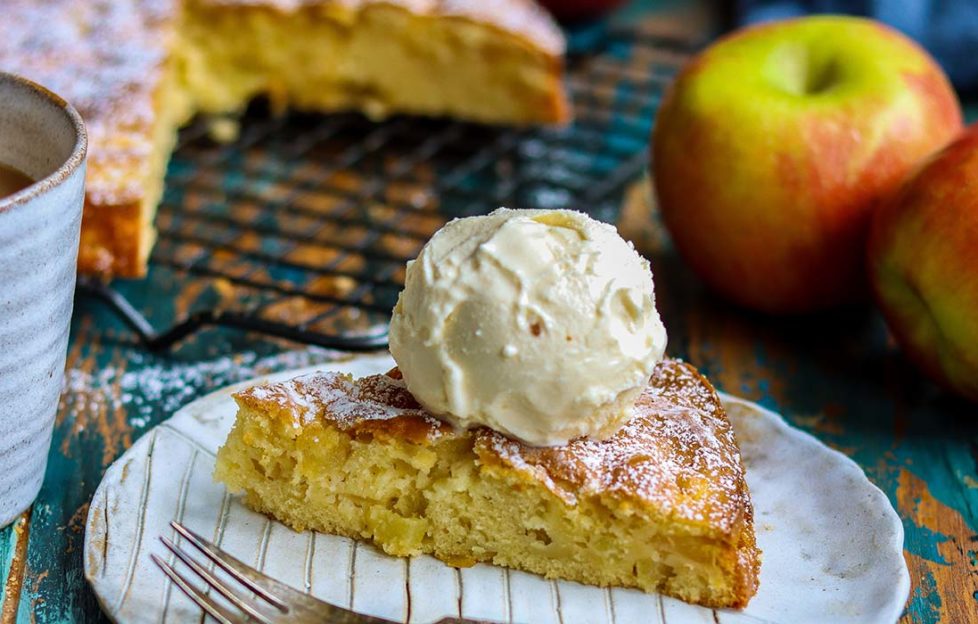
x=923, y=265
x=773, y=147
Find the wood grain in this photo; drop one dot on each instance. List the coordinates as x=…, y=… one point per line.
x=14, y=563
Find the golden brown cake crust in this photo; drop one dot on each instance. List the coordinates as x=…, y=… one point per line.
x=678, y=443
x=110, y=239
x=112, y=59
x=378, y=404
x=677, y=446
x=109, y=59
x=105, y=57
x=676, y=462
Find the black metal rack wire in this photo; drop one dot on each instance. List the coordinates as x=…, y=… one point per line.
x=304, y=223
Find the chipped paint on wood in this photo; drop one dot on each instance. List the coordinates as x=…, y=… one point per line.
x=937, y=546
x=130, y=391
x=13, y=557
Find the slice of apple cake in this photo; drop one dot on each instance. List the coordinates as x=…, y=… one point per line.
x=662, y=506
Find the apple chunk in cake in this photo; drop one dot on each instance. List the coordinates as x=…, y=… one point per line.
x=662, y=506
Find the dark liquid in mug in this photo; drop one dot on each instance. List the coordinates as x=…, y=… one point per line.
x=12, y=180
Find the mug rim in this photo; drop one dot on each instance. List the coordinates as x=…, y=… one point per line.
x=69, y=166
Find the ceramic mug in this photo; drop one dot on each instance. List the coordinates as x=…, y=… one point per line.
x=42, y=136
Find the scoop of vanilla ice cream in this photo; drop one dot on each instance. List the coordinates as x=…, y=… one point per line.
x=540, y=324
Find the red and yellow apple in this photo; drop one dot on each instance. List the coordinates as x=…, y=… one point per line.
x=773, y=147
x=923, y=265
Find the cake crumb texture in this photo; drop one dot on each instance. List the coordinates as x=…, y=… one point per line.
x=662, y=506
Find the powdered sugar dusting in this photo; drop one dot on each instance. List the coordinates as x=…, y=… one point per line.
x=106, y=57
x=154, y=386
x=678, y=453
x=344, y=401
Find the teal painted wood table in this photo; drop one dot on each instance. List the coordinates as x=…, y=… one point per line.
x=837, y=376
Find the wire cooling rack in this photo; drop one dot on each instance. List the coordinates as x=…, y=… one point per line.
x=301, y=227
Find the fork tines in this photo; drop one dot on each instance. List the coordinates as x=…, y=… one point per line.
x=249, y=595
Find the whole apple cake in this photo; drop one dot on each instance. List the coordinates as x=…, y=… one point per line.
x=138, y=69
x=661, y=506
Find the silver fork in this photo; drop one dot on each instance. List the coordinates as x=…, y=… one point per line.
x=269, y=602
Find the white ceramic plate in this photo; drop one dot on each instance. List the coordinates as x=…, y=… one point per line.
x=832, y=543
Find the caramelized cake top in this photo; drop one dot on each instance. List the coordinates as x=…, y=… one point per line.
x=106, y=58
x=677, y=456
x=378, y=404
